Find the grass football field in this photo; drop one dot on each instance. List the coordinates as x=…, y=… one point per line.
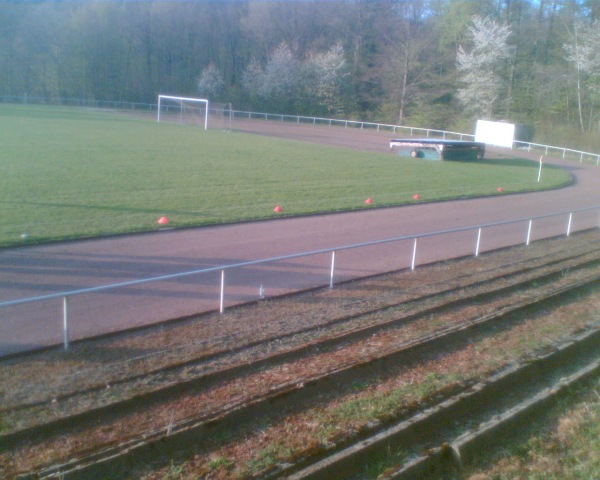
x=74, y=173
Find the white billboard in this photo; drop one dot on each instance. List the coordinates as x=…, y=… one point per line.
x=500, y=134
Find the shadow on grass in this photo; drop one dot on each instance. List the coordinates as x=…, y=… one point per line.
x=502, y=162
x=106, y=208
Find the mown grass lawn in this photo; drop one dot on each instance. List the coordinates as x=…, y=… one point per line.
x=73, y=173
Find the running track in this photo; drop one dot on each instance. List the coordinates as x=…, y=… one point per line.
x=34, y=271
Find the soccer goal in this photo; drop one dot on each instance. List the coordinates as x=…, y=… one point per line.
x=184, y=110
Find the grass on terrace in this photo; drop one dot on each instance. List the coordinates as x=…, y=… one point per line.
x=74, y=173
x=567, y=447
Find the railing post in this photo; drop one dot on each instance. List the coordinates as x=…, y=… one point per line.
x=65, y=324
x=332, y=269
x=414, y=255
x=569, y=224
x=478, y=241
x=529, y=232
x=222, y=300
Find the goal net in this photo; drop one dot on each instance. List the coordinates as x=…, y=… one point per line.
x=184, y=110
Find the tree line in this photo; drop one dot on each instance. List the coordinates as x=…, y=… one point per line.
x=434, y=63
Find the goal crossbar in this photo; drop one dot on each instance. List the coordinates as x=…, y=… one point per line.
x=184, y=99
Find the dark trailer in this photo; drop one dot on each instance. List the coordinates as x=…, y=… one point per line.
x=438, y=149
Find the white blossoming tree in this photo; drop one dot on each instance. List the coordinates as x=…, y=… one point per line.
x=323, y=78
x=210, y=83
x=287, y=83
x=479, y=68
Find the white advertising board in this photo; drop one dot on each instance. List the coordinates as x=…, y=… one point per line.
x=500, y=134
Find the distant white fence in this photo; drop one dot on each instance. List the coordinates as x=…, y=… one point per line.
x=558, y=151
x=333, y=122
x=561, y=152
x=478, y=229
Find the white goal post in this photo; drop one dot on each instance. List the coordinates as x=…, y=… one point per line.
x=182, y=101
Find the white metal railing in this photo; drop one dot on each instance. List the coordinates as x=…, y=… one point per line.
x=562, y=152
x=78, y=102
x=333, y=122
x=223, y=268
x=428, y=132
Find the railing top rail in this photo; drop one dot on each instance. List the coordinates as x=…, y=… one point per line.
x=344, y=121
x=101, y=288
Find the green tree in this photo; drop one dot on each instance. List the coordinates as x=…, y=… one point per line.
x=583, y=53
x=405, y=63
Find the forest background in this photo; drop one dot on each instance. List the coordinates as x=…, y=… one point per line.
x=428, y=63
